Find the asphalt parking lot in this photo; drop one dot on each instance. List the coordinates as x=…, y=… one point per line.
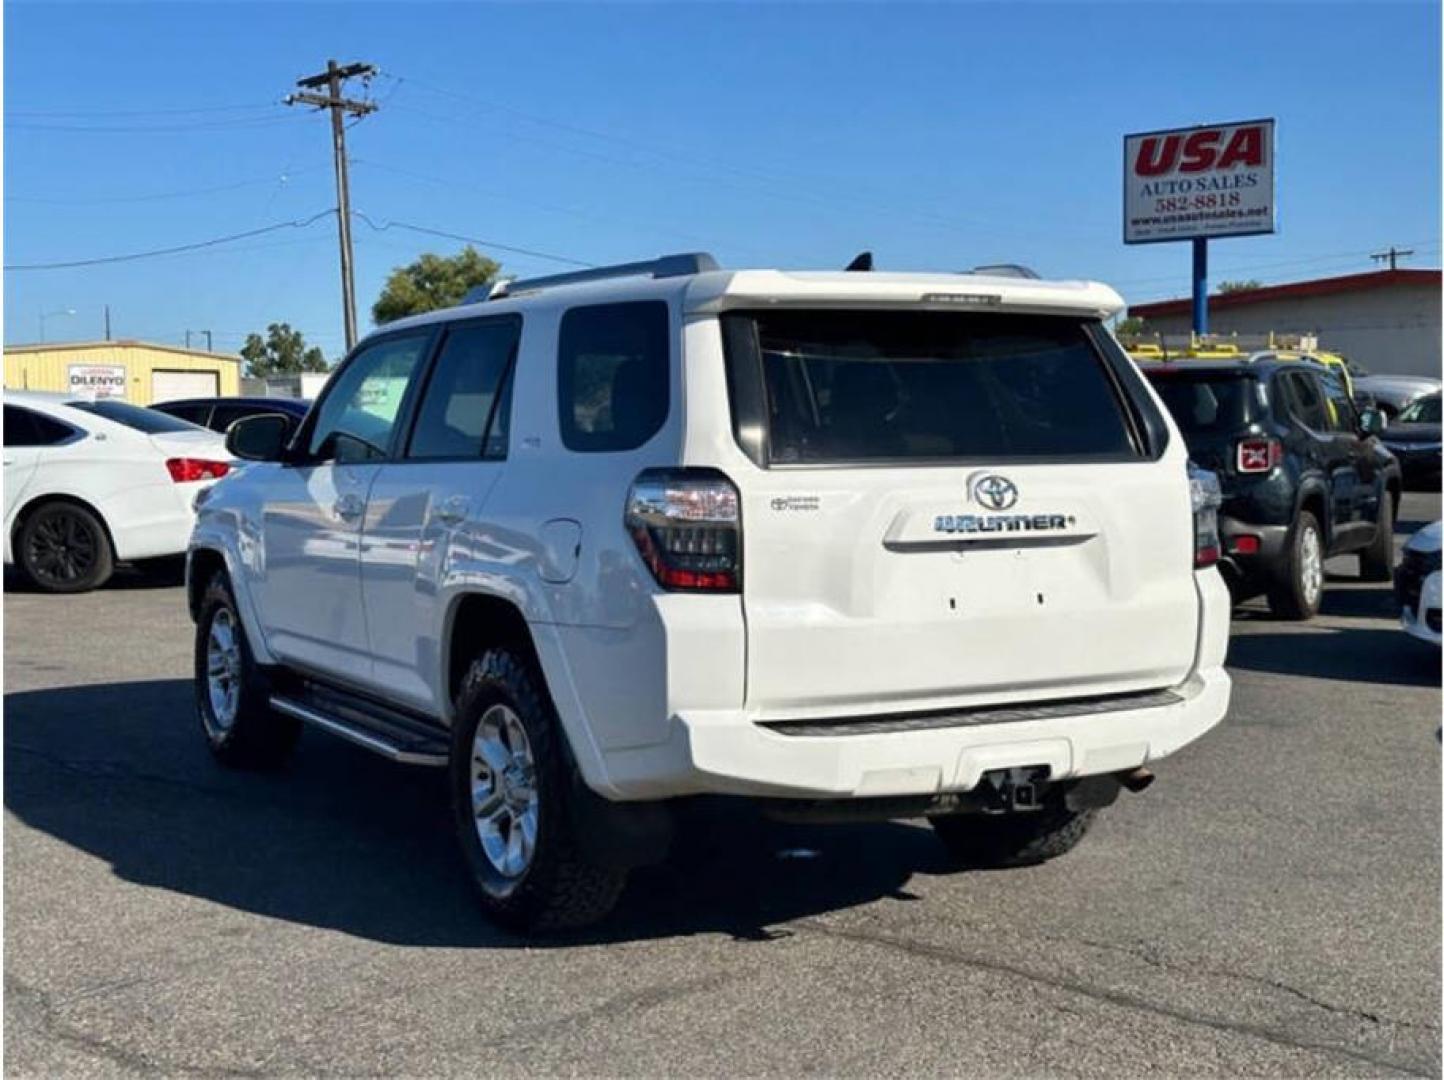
x=1270, y=906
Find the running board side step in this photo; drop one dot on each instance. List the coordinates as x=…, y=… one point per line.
x=419, y=750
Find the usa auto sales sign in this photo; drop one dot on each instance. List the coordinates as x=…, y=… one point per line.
x=1200, y=181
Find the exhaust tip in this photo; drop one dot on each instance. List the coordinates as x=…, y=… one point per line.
x=1136, y=780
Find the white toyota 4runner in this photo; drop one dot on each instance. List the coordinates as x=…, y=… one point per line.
x=855, y=544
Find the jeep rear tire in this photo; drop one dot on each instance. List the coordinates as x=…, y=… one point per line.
x=1014, y=839
x=1299, y=590
x=1376, y=562
x=509, y=777
x=232, y=693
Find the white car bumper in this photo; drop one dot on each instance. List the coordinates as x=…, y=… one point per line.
x=729, y=754
x=1416, y=621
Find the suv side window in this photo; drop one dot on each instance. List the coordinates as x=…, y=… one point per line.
x=464, y=409
x=226, y=415
x=612, y=376
x=26, y=428
x=1337, y=403
x=191, y=414
x=357, y=418
x=1305, y=400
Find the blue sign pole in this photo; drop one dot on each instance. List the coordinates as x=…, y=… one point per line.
x=1200, y=285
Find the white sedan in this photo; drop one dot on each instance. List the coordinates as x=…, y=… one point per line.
x=1416, y=584
x=89, y=483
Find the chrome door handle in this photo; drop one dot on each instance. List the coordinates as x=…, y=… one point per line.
x=347, y=507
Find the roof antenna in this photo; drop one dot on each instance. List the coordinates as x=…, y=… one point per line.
x=862, y=262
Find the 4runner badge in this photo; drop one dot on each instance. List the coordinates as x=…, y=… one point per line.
x=994, y=491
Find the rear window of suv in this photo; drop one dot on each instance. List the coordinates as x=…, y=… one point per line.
x=841, y=386
x=1207, y=404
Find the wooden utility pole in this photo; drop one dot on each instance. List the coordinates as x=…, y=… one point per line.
x=333, y=80
x=1393, y=255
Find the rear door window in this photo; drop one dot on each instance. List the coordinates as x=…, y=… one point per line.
x=226, y=415
x=1306, y=402
x=1338, y=406
x=191, y=414
x=870, y=386
x=465, y=407
x=612, y=375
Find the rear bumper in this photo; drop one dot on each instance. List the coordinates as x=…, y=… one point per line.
x=730, y=754
x=727, y=751
x=1256, y=567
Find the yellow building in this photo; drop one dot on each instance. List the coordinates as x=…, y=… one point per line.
x=138, y=371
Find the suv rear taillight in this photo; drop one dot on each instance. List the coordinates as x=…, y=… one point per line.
x=1207, y=497
x=187, y=470
x=1258, y=455
x=687, y=526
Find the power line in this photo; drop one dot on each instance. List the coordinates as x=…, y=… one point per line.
x=1241, y=268
x=491, y=193
x=158, y=196
x=771, y=183
x=176, y=250
x=191, y=110
x=151, y=129
x=409, y=227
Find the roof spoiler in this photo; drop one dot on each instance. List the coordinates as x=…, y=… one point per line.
x=1005, y=270
x=692, y=262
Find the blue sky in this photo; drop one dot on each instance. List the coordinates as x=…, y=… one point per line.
x=938, y=136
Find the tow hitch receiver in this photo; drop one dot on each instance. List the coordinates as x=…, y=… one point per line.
x=1019, y=789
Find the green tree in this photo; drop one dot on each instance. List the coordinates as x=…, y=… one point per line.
x=432, y=282
x=1239, y=286
x=1130, y=327
x=283, y=351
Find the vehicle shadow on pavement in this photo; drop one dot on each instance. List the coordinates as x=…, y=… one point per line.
x=1381, y=653
x=345, y=841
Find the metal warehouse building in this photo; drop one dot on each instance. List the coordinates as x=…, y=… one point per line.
x=1387, y=320
x=138, y=371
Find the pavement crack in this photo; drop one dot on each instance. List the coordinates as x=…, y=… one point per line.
x=627, y=1004
x=43, y=1006
x=949, y=955
x=1194, y=968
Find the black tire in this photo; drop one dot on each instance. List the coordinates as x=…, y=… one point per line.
x=1017, y=839
x=558, y=888
x=1290, y=597
x=256, y=737
x=1376, y=562
x=64, y=548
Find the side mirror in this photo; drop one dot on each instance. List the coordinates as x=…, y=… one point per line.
x=260, y=438
x=1372, y=421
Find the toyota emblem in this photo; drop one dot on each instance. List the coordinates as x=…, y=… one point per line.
x=994, y=491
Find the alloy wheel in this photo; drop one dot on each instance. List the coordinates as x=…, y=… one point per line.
x=62, y=549
x=504, y=799
x=223, y=668
x=1311, y=565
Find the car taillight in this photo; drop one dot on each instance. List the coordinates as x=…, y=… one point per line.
x=187, y=470
x=1259, y=455
x=1206, y=497
x=687, y=526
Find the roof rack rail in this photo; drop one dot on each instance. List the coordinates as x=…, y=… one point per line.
x=1005, y=270
x=692, y=262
